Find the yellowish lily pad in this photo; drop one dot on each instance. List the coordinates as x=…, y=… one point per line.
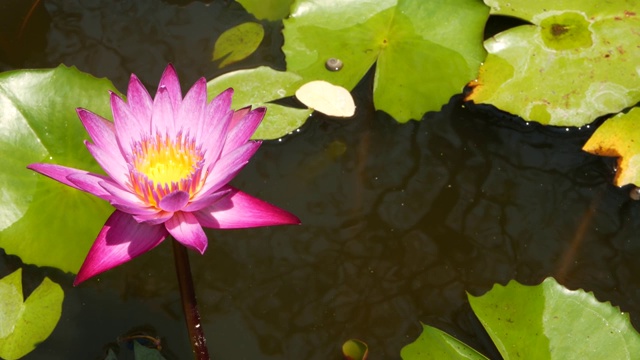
x=329, y=99
x=576, y=61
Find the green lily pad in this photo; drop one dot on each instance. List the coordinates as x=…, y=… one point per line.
x=257, y=87
x=24, y=324
x=237, y=43
x=267, y=9
x=355, y=349
x=548, y=321
x=42, y=221
x=436, y=344
x=426, y=50
x=575, y=62
x=617, y=137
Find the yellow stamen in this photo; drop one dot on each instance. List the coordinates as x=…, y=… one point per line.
x=168, y=163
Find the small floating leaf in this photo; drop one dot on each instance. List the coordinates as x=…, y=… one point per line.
x=327, y=98
x=618, y=137
x=575, y=62
x=23, y=325
x=238, y=43
x=355, y=349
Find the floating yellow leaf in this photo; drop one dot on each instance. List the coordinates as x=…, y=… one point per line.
x=327, y=98
x=620, y=137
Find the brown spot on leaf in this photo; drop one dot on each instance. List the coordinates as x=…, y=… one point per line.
x=558, y=29
x=628, y=13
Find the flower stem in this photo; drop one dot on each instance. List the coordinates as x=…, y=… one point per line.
x=189, y=304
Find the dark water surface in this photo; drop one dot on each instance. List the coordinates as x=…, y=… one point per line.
x=399, y=220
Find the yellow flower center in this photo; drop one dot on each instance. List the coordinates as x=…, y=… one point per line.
x=162, y=166
x=166, y=163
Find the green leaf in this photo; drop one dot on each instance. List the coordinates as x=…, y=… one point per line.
x=618, y=137
x=144, y=353
x=237, y=43
x=548, y=321
x=42, y=221
x=23, y=325
x=426, y=50
x=355, y=349
x=576, y=62
x=257, y=87
x=436, y=344
x=267, y=9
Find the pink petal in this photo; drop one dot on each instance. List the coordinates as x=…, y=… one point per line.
x=62, y=174
x=243, y=129
x=126, y=201
x=101, y=130
x=213, y=136
x=238, y=115
x=153, y=219
x=184, y=227
x=192, y=110
x=90, y=183
x=227, y=167
x=162, y=118
x=139, y=101
x=120, y=240
x=206, y=200
x=215, y=124
x=174, y=201
x=129, y=129
x=240, y=210
x=111, y=163
x=169, y=81
x=218, y=108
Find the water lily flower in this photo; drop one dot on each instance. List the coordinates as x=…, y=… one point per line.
x=168, y=162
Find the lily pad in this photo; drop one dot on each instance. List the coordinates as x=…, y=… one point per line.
x=267, y=9
x=257, y=87
x=42, y=221
x=548, y=321
x=436, y=344
x=618, y=137
x=24, y=324
x=426, y=50
x=237, y=43
x=575, y=62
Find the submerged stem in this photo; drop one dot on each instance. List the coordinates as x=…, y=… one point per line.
x=189, y=304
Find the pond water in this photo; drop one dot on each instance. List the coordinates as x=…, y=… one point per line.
x=399, y=220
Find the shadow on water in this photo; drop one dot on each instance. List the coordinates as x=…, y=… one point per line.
x=399, y=220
